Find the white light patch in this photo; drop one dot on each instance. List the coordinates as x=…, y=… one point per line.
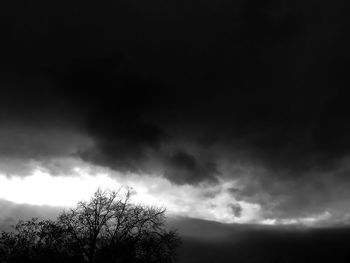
x=42, y=189
x=317, y=219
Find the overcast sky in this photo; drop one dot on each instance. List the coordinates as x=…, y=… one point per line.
x=230, y=111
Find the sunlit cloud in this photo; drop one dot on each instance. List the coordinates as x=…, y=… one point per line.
x=211, y=202
x=205, y=201
x=317, y=219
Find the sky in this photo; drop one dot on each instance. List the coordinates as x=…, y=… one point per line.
x=234, y=112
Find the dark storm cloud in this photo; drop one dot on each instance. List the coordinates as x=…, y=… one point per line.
x=36, y=124
x=27, y=142
x=166, y=88
x=112, y=102
x=185, y=168
x=236, y=210
x=319, y=196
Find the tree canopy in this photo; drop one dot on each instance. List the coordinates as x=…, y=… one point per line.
x=107, y=228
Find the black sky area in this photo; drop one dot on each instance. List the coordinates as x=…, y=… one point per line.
x=195, y=91
x=267, y=79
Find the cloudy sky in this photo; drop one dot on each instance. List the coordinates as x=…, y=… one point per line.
x=229, y=111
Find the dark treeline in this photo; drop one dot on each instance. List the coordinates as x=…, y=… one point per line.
x=108, y=228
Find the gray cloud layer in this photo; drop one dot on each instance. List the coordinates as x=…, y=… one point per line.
x=11, y=213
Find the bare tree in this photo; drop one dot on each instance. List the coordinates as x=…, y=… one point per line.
x=107, y=228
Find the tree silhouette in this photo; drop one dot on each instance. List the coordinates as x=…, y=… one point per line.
x=107, y=228
x=36, y=241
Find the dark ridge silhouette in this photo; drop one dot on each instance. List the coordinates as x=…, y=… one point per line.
x=108, y=228
x=207, y=242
